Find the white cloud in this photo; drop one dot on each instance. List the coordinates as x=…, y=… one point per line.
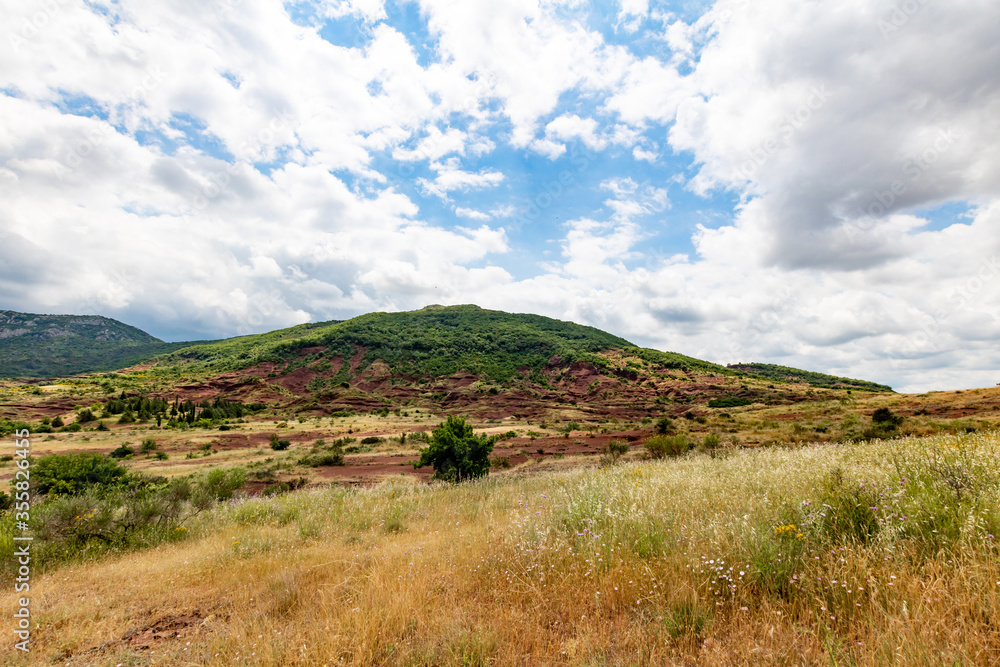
x=451, y=177
x=837, y=135
x=472, y=214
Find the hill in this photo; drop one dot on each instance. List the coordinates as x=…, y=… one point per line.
x=34, y=345
x=786, y=374
x=433, y=342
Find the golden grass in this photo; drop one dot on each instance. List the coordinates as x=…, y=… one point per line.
x=646, y=563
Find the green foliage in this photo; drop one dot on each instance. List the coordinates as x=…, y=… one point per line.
x=58, y=422
x=371, y=440
x=121, y=452
x=662, y=446
x=729, y=402
x=665, y=426
x=849, y=510
x=432, y=342
x=885, y=425
x=613, y=451
x=85, y=416
x=786, y=374
x=148, y=445
x=72, y=474
x=142, y=513
x=279, y=445
x=885, y=416
x=456, y=453
x=711, y=442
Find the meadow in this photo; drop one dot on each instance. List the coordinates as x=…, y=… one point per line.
x=868, y=553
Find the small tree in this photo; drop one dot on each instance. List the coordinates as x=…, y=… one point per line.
x=613, y=451
x=456, y=453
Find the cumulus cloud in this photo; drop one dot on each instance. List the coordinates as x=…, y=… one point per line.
x=812, y=184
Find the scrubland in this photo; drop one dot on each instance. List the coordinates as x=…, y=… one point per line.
x=869, y=553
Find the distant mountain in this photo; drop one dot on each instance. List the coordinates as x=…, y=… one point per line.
x=57, y=345
x=786, y=374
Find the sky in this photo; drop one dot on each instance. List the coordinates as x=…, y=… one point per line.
x=807, y=183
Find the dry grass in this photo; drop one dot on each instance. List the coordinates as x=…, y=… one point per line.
x=647, y=563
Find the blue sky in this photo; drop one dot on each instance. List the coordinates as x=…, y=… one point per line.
x=783, y=181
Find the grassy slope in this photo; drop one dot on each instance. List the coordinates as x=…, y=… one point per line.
x=432, y=342
x=437, y=341
x=786, y=374
x=59, y=345
x=673, y=562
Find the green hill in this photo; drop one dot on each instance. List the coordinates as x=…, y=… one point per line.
x=432, y=342
x=56, y=345
x=786, y=374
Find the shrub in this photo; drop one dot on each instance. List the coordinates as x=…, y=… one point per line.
x=160, y=456
x=72, y=428
x=147, y=446
x=333, y=458
x=729, y=402
x=456, y=453
x=886, y=417
x=371, y=440
x=665, y=426
x=613, y=451
x=85, y=416
x=58, y=422
x=662, y=446
x=101, y=426
x=71, y=474
x=279, y=445
x=711, y=442
x=121, y=452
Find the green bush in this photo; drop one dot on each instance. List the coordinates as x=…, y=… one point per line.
x=323, y=459
x=72, y=474
x=371, y=440
x=456, y=453
x=665, y=426
x=729, y=402
x=279, y=445
x=85, y=416
x=58, y=422
x=160, y=456
x=148, y=445
x=662, y=446
x=121, y=452
x=613, y=451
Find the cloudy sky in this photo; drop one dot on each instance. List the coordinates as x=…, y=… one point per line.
x=809, y=183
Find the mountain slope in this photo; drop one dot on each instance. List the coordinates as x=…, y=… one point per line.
x=55, y=345
x=433, y=342
x=786, y=374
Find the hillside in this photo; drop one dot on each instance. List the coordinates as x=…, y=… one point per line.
x=58, y=345
x=433, y=342
x=786, y=374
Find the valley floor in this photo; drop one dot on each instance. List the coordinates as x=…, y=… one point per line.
x=874, y=553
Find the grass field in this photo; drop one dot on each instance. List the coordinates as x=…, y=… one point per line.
x=868, y=553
